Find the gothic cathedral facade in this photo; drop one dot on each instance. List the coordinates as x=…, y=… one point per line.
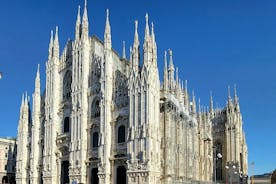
x=107, y=119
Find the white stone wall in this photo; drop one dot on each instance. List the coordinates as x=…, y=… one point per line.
x=7, y=158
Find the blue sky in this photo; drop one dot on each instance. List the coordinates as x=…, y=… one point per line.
x=215, y=44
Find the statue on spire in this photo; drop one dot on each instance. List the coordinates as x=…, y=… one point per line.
x=171, y=71
x=153, y=35
x=85, y=24
x=124, y=50
x=165, y=72
x=236, y=99
x=211, y=105
x=107, y=32
x=229, y=93
x=51, y=44
x=135, y=49
x=193, y=102
x=147, y=27
x=37, y=80
x=56, y=44
x=78, y=25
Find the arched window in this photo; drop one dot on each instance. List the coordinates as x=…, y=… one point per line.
x=241, y=161
x=121, y=175
x=95, y=74
x=95, y=108
x=67, y=81
x=218, y=150
x=94, y=176
x=95, y=140
x=121, y=134
x=66, y=125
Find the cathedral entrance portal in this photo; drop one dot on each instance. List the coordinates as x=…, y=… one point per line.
x=121, y=175
x=94, y=176
x=64, y=179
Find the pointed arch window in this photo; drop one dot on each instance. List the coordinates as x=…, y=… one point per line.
x=95, y=139
x=67, y=81
x=66, y=125
x=95, y=108
x=218, y=149
x=121, y=134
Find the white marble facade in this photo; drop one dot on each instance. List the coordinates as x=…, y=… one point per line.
x=7, y=160
x=107, y=119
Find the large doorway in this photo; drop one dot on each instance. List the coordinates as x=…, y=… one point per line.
x=64, y=179
x=121, y=175
x=94, y=176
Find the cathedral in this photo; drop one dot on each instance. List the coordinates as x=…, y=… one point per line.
x=107, y=119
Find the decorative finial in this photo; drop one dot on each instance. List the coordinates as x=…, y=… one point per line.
x=236, y=99
x=26, y=97
x=171, y=58
x=51, y=40
x=193, y=102
x=84, y=16
x=52, y=34
x=56, y=30
x=107, y=32
x=147, y=26
x=136, y=39
x=199, y=106
x=211, y=97
x=78, y=16
x=211, y=104
x=78, y=25
x=37, y=68
x=37, y=80
x=56, y=36
x=22, y=101
x=186, y=85
x=50, y=54
x=170, y=52
x=152, y=34
x=107, y=25
x=79, y=10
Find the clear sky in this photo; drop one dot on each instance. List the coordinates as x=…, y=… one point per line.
x=215, y=44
